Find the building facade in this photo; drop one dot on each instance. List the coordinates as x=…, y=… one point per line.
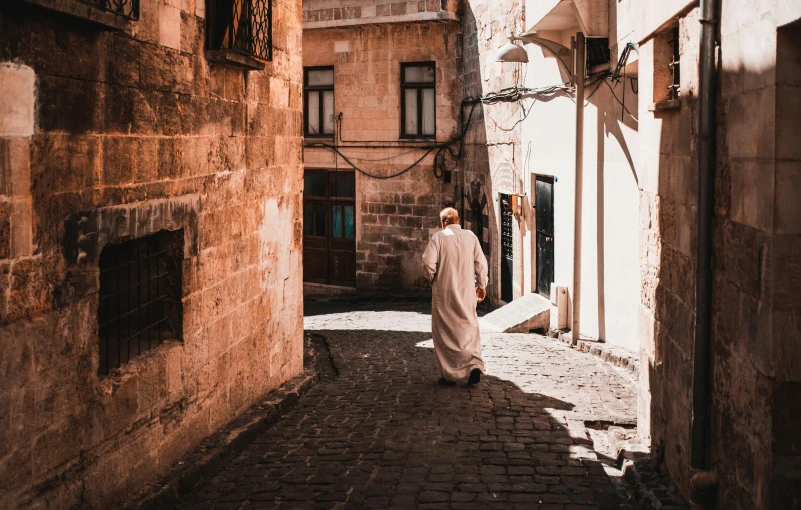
x=150, y=235
x=405, y=158
x=639, y=239
x=379, y=132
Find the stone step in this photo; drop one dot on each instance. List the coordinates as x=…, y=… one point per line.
x=520, y=316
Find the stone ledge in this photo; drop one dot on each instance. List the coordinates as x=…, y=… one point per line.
x=234, y=59
x=612, y=354
x=213, y=452
x=665, y=106
x=84, y=11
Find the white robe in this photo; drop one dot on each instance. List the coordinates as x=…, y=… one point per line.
x=455, y=265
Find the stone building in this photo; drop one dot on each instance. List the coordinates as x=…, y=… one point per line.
x=361, y=127
x=721, y=399
x=150, y=234
x=382, y=99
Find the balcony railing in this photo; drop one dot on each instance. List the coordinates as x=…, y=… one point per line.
x=242, y=26
x=125, y=8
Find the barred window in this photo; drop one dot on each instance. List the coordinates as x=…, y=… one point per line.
x=418, y=100
x=318, y=101
x=140, y=297
x=242, y=26
x=674, y=65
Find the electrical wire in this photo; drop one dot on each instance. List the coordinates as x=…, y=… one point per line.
x=505, y=95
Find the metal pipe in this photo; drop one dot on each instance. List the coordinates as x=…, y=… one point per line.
x=707, y=99
x=579, y=81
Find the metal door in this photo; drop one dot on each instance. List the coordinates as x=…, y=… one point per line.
x=543, y=203
x=507, y=257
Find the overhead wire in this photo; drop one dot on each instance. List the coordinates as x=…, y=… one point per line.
x=508, y=94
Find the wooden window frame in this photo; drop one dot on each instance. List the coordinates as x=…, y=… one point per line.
x=419, y=86
x=320, y=89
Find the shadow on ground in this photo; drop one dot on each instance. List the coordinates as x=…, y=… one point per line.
x=378, y=432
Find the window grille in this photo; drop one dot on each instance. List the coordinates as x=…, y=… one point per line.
x=674, y=66
x=125, y=8
x=418, y=100
x=243, y=26
x=318, y=101
x=140, y=297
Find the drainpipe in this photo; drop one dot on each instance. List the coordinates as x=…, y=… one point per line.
x=579, y=81
x=705, y=480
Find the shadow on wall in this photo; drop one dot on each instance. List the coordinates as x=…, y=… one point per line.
x=755, y=352
x=611, y=114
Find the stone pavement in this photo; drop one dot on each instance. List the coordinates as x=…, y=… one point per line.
x=378, y=432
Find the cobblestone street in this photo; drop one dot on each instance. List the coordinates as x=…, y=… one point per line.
x=378, y=432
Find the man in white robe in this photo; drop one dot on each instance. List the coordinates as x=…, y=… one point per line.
x=457, y=269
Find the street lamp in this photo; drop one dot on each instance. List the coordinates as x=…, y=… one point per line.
x=511, y=52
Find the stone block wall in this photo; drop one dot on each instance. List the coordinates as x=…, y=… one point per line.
x=493, y=155
x=668, y=173
x=395, y=216
x=338, y=13
x=755, y=329
x=110, y=135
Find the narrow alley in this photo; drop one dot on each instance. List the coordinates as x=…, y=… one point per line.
x=379, y=432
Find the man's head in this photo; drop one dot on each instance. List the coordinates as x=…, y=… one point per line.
x=449, y=216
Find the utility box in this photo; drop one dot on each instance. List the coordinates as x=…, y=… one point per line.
x=558, y=307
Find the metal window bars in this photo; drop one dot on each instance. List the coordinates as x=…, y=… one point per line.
x=244, y=26
x=140, y=297
x=674, y=66
x=125, y=8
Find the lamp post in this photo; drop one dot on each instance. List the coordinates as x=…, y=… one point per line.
x=573, y=62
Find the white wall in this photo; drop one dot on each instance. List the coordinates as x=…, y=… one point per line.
x=610, y=213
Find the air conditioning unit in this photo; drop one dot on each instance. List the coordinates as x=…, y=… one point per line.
x=558, y=307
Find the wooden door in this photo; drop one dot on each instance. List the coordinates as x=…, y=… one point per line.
x=329, y=227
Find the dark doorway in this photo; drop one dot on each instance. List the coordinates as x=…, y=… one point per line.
x=329, y=227
x=543, y=202
x=507, y=257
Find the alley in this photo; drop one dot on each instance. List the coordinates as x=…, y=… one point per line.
x=378, y=432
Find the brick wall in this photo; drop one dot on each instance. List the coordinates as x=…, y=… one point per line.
x=396, y=216
x=136, y=127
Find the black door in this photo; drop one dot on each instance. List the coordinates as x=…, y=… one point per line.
x=329, y=228
x=507, y=258
x=543, y=196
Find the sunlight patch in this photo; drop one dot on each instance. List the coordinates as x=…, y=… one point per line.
x=370, y=320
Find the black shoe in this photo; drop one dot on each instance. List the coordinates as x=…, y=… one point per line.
x=475, y=377
x=444, y=382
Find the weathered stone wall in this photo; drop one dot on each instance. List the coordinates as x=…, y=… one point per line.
x=138, y=127
x=492, y=148
x=667, y=250
x=756, y=304
x=337, y=13
x=395, y=216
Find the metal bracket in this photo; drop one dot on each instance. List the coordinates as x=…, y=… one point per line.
x=563, y=55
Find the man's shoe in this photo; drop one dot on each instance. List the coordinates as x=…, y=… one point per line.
x=444, y=382
x=475, y=377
